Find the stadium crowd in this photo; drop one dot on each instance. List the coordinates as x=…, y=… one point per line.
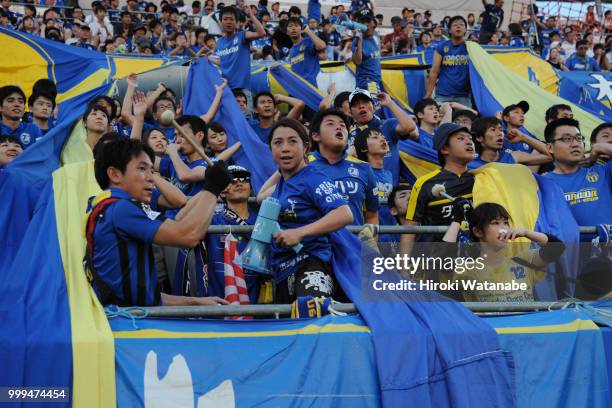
x=336, y=167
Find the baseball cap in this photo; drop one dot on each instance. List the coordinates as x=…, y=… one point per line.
x=522, y=104
x=396, y=19
x=139, y=27
x=236, y=171
x=360, y=93
x=444, y=132
x=365, y=14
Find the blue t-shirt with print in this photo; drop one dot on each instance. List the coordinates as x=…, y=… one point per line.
x=235, y=56
x=27, y=133
x=369, y=70
x=304, y=60
x=454, y=77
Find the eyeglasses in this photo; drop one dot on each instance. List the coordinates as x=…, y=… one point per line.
x=570, y=139
x=236, y=180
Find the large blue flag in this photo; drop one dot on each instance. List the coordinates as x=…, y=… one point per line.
x=430, y=351
x=199, y=94
x=591, y=90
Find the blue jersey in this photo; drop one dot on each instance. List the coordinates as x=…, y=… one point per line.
x=235, y=57
x=27, y=133
x=545, y=37
x=334, y=39
x=425, y=138
x=510, y=147
x=167, y=170
x=493, y=16
x=384, y=185
x=359, y=4
x=387, y=128
x=122, y=251
x=454, y=77
x=263, y=133
x=262, y=42
x=588, y=193
x=314, y=10
x=516, y=41
x=503, y=157
x=304, y=59
x=354, y=180
x=215, y=244
x=305, y=197
x=578, y=63
x=429, y=51
x=369, y=69
x=123, y=130
x=168, y=131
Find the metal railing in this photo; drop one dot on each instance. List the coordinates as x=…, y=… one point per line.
x=349, y=308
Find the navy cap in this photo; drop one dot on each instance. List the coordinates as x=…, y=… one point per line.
x=365, y=14
x=236, y=171
x=360, y=93
x=444, y=132
x=522, y=104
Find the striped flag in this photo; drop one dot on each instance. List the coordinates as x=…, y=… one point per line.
x=235, y=286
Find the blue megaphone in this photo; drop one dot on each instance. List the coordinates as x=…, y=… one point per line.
x=255, y=256
x=353, y=25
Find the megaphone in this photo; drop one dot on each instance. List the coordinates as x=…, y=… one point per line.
x=255, y=256
x=353, y=25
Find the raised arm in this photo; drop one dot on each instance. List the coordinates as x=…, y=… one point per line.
x=260, y=31
x=214, y=106
x=358, y=53
x=328, y=101
x=229, y=152
x=318, y=43
x=140, y=109
x=171, y=196
x=126, y=107
x=406, y=127
x=297, y=105
x=268, y=187
x=184, y=173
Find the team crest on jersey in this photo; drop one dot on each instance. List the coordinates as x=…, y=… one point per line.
x=592, y=177
x=25, y=138
x=446, y=49
x=302, y=48
x=235, y=40
x=353, y=171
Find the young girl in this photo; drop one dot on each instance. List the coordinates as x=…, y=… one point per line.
x=490, y=226
x=216, y=143
x=311, y=208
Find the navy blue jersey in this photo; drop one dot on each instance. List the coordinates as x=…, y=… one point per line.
x=493, y=16
x=304, y=59
x=354, y=180
x=369, y=70
x=122, y=251
x=384, y=185
x=168, y=131
x=454, y=77
x=27, y=133
x=167, y=170
x=305, y=197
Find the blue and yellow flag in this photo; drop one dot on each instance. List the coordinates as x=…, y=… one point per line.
x=417, y=160
x=590, y=90
x=54, y=331
x=254, y=154
x=495, y=87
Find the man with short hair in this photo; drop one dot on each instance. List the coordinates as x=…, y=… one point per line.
x=391, y=40
x=493, y=17
x=85, y=39
x=569, y=42
x=361, y=103
x=588, y=190
x=121, y=227
x=353, y=178
x=602, y=134
x=455, y=150
x=580, y=61
x=304, y=55
x=265, y=108
x=12, y=108
x=41, y=105
x=427, y=112
x=366, y=55
x=449, y=74
x=513, y=117
x=558, y=111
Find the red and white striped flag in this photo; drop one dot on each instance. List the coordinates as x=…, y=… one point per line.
x=236, y=292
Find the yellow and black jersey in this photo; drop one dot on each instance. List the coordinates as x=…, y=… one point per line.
x=426, y=209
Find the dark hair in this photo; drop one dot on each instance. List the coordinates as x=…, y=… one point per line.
x=229, y=10
x=7, y=90
x=340, y=98
x=10, y=139
x=315, y=126
x=480, y=126
x=420, y=106
x=294, y=20
x=427, y=32
x=455, y=18
x=238, y=92
x=549, y=131
x=109, y=100
x=263, y=93
x=99, y=8
x=606, y=125
x=106, y=138
x=117, y=153
x=31, y=8
x=163, y=98
x=195, y=123
x=214, y=127
x=515, y=28
x=464, y=112
x=291, y=124
x=361, y=142
x=295, y=10
x=553, y=111
x=96, y=107
x=400, y=187
x=147, y=134
x=580, y=43
x=37, y=95
x=483, y=215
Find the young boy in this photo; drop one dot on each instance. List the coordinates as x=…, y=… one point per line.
x=10, y=148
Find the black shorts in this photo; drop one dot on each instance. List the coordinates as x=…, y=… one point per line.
x=313, y=277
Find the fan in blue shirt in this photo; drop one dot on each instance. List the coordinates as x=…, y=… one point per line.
x=580, y=61
x=366, y=55
x=233, y=47
x=427, y=112
x=353, y=178
x=121, y=227
x=493, y=16
x=401, y=127
x=513, y=119
x=587, y=190
x=450, y=73
x=304, y=55
x=264, y=105
x=311, y=208
x=41, y=106
x=235, y=212
x=13, y=100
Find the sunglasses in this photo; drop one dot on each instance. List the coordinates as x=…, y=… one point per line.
x=236, y=180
